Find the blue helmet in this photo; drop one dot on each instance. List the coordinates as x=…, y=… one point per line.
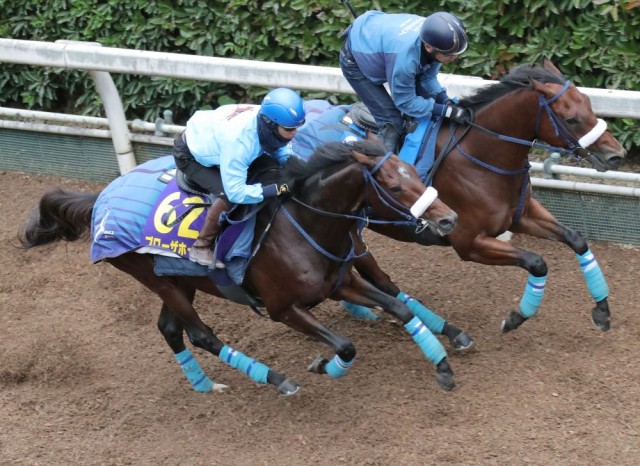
x=445, y=33
x=284, y=107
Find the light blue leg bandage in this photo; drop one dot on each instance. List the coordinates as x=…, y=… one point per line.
x=199, y=381
x=360, y=312
x=532, y=297
x=593, y=275
x=336, y=368
x=427, y=342
x=433, y=321
x=254, y=369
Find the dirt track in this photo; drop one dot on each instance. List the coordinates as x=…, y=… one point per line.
x=86, y=378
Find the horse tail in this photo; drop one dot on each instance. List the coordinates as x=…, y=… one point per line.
x=61, y=216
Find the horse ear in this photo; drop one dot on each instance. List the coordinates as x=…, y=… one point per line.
x=541, y=88
x=549, y=66
x=363, y=159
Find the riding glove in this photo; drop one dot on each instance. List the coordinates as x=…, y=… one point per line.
x=273, y=190
x=442, y=98
x=457, y=114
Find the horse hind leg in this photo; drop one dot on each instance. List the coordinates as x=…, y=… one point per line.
x=203, y=337
x=173, y=331
x=178, y=299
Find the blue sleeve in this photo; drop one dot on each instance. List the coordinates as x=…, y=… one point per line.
x=402, y=83
x=429, y=81
x=234, y=165
x=282, y=154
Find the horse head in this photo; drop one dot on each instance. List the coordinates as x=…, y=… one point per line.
x=532, y=104
x=400, y=184
x=347, y=177
x=572, y=123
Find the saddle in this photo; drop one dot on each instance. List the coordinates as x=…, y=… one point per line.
x=362, y=117
x=189, y=186
x=226, y=276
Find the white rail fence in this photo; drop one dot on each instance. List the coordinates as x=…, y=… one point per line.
x=100, y=61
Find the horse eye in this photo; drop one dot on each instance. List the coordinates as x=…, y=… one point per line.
x=571, y=121
x=396, y=189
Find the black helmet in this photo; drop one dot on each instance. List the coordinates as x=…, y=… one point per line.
x=445, y=33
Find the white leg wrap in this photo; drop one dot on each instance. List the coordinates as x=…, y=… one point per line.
x=423, y=203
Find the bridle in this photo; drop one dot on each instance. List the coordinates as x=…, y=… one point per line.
x=408, y=215
x=576, y=148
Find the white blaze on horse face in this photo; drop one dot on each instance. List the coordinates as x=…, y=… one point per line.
x=593, y=135
x=422, y=204
x=402, y=170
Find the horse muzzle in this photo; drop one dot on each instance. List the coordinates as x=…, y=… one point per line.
x=602, y=162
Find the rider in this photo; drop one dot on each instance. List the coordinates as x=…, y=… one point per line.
x=406, y=51
x=218, y=146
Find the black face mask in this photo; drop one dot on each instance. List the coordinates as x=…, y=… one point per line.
x=269, y=136
x=426, y=57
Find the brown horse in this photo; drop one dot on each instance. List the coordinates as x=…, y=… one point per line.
x=306, y=257
x=482, y=172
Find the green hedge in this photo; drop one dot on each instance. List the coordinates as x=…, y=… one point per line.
x=595, y=43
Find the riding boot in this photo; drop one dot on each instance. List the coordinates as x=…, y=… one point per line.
x=202, y=251
x=390, y=137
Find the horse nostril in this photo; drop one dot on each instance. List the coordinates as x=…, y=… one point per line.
x=446, y=224
x=614, y=162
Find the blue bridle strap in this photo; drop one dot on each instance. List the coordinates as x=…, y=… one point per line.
x=380, y=163
x=561, y=131
x=351, y=255
x=380, y=192
x=557, y=124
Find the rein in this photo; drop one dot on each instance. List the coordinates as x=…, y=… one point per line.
x=384, y=197
x=576, y=146
x=399, y=209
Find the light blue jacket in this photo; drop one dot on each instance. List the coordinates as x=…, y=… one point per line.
x=228, y=137
x=387, y=48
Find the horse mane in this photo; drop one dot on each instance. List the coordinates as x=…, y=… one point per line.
x=518, y=78
x=327, y=155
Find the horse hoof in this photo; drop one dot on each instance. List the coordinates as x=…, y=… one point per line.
x=462, y=342
x=219, y=387
x=288, y=387
x=317, y=366
x=445, y=380
x=601, y=318
x=512, y=322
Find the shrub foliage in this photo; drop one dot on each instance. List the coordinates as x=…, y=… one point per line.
x=596, y=43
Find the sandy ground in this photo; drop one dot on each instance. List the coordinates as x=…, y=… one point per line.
x=86, y=378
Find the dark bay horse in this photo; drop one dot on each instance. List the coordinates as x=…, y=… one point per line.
x=482, y=172
x=306, y=258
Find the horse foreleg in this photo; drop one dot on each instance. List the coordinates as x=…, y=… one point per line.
x=302, y=320
x=540, y=223
x=368, y=268
x=360, y=291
